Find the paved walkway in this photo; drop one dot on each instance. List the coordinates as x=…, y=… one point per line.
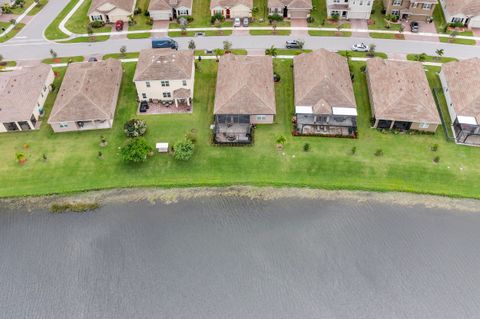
x=424, y=28
x=359, y=24
x=160, y=25
x=19, y=19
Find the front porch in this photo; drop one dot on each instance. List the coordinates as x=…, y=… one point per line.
x=167, y=107
x=235, y=133
x=18, y=126
x=466, y=134
x=92, y=125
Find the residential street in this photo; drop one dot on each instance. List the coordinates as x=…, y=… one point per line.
x=30, y=44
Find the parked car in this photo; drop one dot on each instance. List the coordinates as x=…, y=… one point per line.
x=236, y=22
x=143, y=106
x=119, y=25
x=245, y=22
x=360, y=47
x=92, y=59
x=293, y=44
x=164, y=43
x=414, y=26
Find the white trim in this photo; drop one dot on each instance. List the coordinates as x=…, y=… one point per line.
x=344, y=111
x=467, y=120
x=303, y=110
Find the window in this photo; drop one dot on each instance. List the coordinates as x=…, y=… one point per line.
x=261, y=117
x=397, y=2
x=183, y=12
x=423, y=125
x=147, y=84
x=144, y=95
x=97, y=18
x=396, y=13
x=167, y=94
x=165, y=83
x=63, y=124
x=44, y=88
x=427, y=6
x=184, y=82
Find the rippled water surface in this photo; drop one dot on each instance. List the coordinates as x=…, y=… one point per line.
x=225, y=257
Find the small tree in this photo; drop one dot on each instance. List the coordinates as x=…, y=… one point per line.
x=300, y=43
x=274, y=26
x=440, y=53
x=280, y=140
x=306, y=147
x=183, y=28
x=90, y=31
x=136, y=150
x=183, y=150
x=191, y=45
x=453, y=35
x=123, y=50
x=218, y=25
x=13, y=21
x=421, y=57
x=135, y=128
x=271, y=51
x=218, y=53
x=353, y=151
x=335, y=16
x=371, y=50
x=401, y=28
x=53, y=54
x=227, y=46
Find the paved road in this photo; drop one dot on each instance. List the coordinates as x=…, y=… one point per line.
x=29, y=44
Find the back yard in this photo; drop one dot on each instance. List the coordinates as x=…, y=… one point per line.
x=72, y=163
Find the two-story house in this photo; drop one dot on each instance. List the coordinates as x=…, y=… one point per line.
x=165, y=75
x=463, y=11
x=420, y=10
x=350, y=9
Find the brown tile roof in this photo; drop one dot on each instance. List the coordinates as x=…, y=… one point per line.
x=245, y=85
x=399, y=91
x=126, y=5
x=322, y=80
x=230, y=3
x=291, y=4
x=20, y=90
x=164, y=64
x=463, y=79
x=181, y=93
x=465, y=7
x=168, y=4
x=89, y=91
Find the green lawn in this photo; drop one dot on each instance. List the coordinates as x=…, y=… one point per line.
x=213, y=33
x=52, y=32
x=28, y=3
x=64, y=60
x=18, y=27
x=143, y=35
x=322, y=33
x=73, y=165
x=319, y=15
x=94, y=38
x=140, y=19
x=440, y=24
x=233, y=51
x=38, y=7
x=79, y=21
x=459, y=41
x=270, y=32
x=7, y=64
x=291, y=51
x=429, y=58
x=128, y=55
x=355, y=54
x=379, y=23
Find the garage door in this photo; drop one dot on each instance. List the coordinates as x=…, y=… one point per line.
x=474, y=22
x=160, y=15
x=298, y=14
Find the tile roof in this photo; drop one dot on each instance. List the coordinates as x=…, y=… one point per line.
x=399, y=91
x=291, y=4
x=20, y=90
x=126, y=5
x=164, y=64
x=230, y=3
x=245, y=85
x=322, y=80
x=168, y=4
x=463, y=79
x=89, y=91
x=465, y=7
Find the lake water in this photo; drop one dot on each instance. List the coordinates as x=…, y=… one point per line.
x=233, y=257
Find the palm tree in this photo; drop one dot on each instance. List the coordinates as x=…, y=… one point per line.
x=227, y=46
x=191, y=45
x=440, y=53
x=271, y=51
x=218, y=53
x=453, y=35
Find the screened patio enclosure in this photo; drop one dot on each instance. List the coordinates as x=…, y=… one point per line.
x=233, y=129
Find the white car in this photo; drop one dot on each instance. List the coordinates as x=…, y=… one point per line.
x=360, y=47
x=236, y=22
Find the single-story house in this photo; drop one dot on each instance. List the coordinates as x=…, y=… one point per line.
x=463, y=11
x=400, y=96
x=110, y=11
x=231, y=9
x=245, y=96
x=88, y=96
x=324, y=99
x=169, y=9
x=461, y=83
x=292, y=9
x=22, y=96
x=165, y=75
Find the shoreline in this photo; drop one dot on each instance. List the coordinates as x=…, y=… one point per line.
x=173, y=195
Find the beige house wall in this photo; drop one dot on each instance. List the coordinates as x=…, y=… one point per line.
x=71, y=126
x=268, y=119
x=417, y=13
x=238, y=11
x=115, y=15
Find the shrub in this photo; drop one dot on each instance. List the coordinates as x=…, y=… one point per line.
x=255, y=10
x=436, y=159
x=74, y=207
x=149, y=21
x=215, y=17
x=363, y=68
x=137, y=11
x=136, y=150
x=146, y=13
x=353, y=150
x=183, y=150
x=97, y=24
x=281, y=140
x=378, y=152
x=188, y=18
x=434, y=147
x=335, y=16
x=275, y=17
x=306, y=147
x=310, y=19
x=135, y=128
x=191, y=137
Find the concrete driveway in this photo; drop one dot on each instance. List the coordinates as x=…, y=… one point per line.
x=161, y=25
x=424, y=27
x=299, y=23
x=359, y=24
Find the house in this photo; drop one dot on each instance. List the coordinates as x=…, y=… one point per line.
x=418, y=10
x=110, y=11
x=400, y=96
x=462, y=11
x=324, y=98
x=169, y=9
x=231, y=9
x=350, y=9
x=292, y=9
x=245, y=96
x=165, y=75
x=22, y=96
x=460, y=82
x=88, y=96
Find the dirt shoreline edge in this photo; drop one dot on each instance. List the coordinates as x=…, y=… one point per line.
x=172, y=195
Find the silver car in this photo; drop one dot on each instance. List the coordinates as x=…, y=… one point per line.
x=236, y=22
x=245, y=22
